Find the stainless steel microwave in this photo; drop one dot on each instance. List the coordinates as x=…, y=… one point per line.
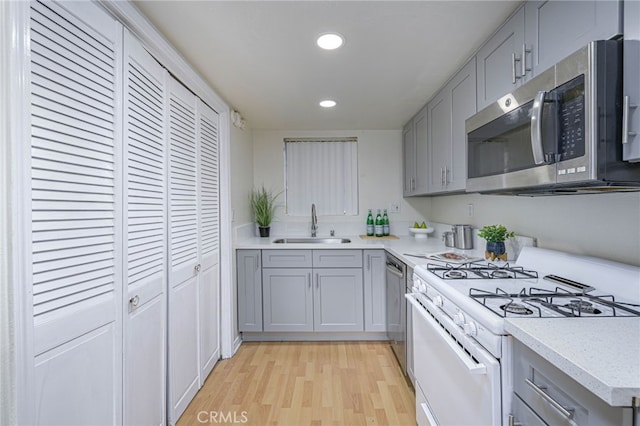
x=559, y=133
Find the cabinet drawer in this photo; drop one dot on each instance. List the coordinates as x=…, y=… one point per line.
x=286, y=259
x=337, y=258
x=544, y=388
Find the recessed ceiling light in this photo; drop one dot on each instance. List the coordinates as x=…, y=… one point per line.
x=327, y=103
x=330, y=41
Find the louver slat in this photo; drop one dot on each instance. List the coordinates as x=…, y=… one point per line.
x=209, y=226
x=145, y=172
x=74, y=209
x=183, y=178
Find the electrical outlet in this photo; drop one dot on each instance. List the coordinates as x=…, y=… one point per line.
x=394, y=208
x=470, y=210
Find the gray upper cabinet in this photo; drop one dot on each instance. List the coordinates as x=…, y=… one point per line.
x=463, y=90
x=249, y=279
x=421, y=123
x=415, y=155
x=447, y=113
x=408, y=159
x=375, y=305
x=556, y=29
x=498, y=61
x=631, y=100
x=439, y=113
x=537, y=36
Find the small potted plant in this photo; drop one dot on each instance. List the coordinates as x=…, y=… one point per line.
x=495, y=236
x=263, y=204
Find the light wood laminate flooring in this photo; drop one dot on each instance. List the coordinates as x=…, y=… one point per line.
x=305, y=383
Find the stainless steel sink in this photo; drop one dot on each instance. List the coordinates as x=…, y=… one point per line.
x=312, y=240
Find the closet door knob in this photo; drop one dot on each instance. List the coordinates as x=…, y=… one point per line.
x=134, y=300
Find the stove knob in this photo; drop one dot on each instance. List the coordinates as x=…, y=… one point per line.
x=470, y=329
x=438, y=301
x=458, y=319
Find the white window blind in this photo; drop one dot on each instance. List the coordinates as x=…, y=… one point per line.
x=323, y=172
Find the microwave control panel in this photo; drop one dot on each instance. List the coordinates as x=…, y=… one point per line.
x=571, y=117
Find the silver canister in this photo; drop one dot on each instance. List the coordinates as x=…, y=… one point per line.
x=463, y=236
x=449, y=239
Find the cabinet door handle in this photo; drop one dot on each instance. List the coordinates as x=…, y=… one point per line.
x=441, y=176
x=524, y=59
x=540, y=390
x=317, y=280
x=626, y=106
x=309, y=279
x=514, y=75
x=368, y=262
x=258, y=262
x=446, y=176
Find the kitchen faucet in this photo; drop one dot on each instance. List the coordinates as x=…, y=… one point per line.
x=314, y=220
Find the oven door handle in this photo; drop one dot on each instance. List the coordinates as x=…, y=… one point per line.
x=536, y=128
x=471, y=366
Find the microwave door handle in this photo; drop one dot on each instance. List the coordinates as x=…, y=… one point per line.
x=536, y=128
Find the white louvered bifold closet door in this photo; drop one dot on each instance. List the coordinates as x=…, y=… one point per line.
x=77, y=279
x=183, y=249
x=145, y=224
x=209, y=209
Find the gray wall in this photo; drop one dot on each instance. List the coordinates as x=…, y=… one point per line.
x=602, y=225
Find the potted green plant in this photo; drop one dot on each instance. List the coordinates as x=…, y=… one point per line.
x=495, y=236
x=263, y=204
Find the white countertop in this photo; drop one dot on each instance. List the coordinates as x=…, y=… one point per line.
x=398, y=248
x=602, y=354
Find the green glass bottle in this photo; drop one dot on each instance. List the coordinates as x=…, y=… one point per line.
x=370, y=228
x=378, y=225
x=385, y=224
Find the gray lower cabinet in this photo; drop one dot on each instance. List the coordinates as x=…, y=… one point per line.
x=281, y=290
x=287, y=299
x=338, y=300
x=375, y=305
x=249, y=290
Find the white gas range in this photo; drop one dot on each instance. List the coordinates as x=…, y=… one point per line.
x=463, y=354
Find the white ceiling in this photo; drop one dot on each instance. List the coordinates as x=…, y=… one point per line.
x=261, y=57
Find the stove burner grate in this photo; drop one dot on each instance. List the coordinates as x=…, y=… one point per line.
x=475, y=271
x=500, y=274
x=455, y=274
x=582, y=306
x=516, y=308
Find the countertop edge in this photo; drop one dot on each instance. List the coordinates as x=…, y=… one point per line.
x=613, y=395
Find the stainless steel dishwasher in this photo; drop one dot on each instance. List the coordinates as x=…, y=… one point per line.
x=396, y=308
